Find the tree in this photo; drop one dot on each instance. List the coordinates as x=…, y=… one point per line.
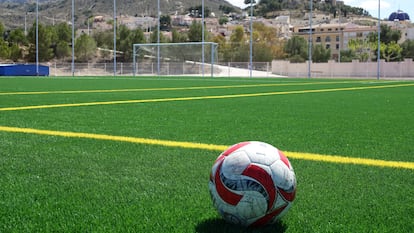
x=237, y=37
x=104, y=39
x=297, y=47
x=238, y=50
x=15, y=53
x=45, y=51
x=348, y=55
x=178, y=37
x=389, y=35
x=85, y=48
x=1, y=30
x=64, y=32
x=390, y=49
x=391, y=52
x=320, y=53
x=264, y=37
x=223, y=20
x=195, y=32
x=17, y=37
x=154, y=37
x=62, y=49
x=407, y=49
x=128, y=39
x=224, y=52
x=4, y=49
x=362, y=48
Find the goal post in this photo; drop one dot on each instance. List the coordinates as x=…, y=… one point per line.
x=167, y=59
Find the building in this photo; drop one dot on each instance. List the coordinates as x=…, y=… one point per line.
x=328, y=35
x=399, y=16
x=335, y=36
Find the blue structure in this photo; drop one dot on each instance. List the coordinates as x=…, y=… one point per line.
x=399, y=16
x=23, y=70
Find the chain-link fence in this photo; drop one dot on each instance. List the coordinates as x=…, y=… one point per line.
x=230, y=69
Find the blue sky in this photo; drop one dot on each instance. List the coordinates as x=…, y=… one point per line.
x=387, y=6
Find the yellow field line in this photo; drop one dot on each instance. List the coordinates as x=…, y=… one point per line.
x=201, y=97
x=170, y=88
x=212, y=147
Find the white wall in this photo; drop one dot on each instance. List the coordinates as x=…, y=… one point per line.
x=354, y=69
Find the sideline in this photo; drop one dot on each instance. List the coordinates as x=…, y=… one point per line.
x=211, y=147
x=203, y=97
x=173, y=88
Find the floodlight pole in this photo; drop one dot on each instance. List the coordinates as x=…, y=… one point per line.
x=73, y=38
x=310, y=40
x=37, y=37
x=379, y=41
x=158, y=38
x=115, y=24
x=251, y=40
x=202, y=36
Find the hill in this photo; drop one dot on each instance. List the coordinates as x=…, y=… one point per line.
x=12, y=13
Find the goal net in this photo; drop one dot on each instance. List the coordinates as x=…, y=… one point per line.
x=192, y=58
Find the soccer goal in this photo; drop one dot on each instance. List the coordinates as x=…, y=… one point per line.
x=192, y=59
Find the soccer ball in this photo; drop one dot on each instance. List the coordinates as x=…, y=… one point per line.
x=252, y=184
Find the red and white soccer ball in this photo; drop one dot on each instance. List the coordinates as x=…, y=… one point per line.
x=252, y=184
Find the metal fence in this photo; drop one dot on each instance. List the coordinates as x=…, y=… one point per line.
x=230, y=69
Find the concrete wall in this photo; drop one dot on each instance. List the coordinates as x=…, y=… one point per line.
x=354, y=69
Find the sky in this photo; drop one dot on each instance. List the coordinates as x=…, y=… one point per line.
x=387, y=6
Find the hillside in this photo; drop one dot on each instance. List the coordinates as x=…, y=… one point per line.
x=12, y=13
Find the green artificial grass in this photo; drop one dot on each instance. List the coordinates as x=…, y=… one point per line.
x=50, y=183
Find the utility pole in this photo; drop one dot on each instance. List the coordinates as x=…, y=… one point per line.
x=310, y=39
x=115, y=24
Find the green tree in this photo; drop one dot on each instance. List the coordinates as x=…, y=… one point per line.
x=45, y=35
x=62, y=40
x=362, y=48
x=178, y=37
x=195, y=32
x=239, y=51
x=320, y=53
x=4, y=49
x=223, y=20
x=64, y=32
x=348, y=55
x=224, y=48
x=128, y=38
x=62, y=49
x=1, y=30
x=85, y=48
x=391, y=51
x=15, y=53
x=17, y=37
x=389, y=35
x=297, y=49
x=407, y=49
x=237, y=37
x=264, y=38
x=154, y=37
x=262, y=52
x=104, y=39
x=389, y=39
